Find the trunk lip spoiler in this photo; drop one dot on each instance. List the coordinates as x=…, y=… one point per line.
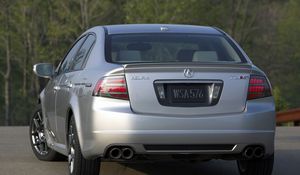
x=239, y=68
x=186, y=65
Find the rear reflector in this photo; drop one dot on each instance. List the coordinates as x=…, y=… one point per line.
x=258, y=87
x=113, y=87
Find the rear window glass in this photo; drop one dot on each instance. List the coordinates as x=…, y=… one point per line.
x=157, y=48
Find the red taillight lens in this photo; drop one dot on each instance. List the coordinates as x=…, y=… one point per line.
x=113, y=87
x=258, y=87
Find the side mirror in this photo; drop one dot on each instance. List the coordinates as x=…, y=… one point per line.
x=45, y=70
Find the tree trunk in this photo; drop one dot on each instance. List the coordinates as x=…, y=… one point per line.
x=235, y=8
x=84, y=14
x=7, y=83
x=8, y=71
x=7, y=102
x=25, y=62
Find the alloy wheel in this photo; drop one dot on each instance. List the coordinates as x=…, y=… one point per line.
x=38, y=138
x=71, y=152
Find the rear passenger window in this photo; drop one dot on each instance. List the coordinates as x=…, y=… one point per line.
x=82, y=54
x=65, y=65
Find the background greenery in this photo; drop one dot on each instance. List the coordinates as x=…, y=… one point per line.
x=33, y=31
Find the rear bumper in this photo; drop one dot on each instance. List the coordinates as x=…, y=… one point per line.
x=113, y=124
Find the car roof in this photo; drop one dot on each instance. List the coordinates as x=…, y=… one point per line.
x=159, y=28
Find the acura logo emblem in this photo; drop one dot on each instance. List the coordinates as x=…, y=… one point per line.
x=188, y=73
x=164, y=28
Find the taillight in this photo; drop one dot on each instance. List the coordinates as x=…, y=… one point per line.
x=258, y=87
x=112, y=86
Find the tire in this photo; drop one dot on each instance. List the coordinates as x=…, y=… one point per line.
x=37, y=138
x=256, y=167
x=78, y=165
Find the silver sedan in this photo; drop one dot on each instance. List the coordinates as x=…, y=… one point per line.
x=154, y=92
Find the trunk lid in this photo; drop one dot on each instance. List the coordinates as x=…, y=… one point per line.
x=187, y=89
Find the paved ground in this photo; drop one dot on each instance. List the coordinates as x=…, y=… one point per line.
x=16, y=158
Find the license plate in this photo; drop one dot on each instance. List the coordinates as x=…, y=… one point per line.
x=187, y=94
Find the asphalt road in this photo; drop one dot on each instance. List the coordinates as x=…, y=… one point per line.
x=16, y=158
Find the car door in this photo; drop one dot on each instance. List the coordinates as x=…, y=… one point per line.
x=49, y=104
x=69, y=85
x=62, y=70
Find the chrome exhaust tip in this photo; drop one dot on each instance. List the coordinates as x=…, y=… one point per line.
x=248, y=153
x=258, y=152
x=115, y=153
x=127, y=153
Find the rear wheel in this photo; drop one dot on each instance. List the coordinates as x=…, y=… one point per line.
x=256, y=167
x=78, y=165
x=38, y=139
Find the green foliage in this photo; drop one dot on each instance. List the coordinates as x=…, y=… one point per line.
x=43, y=30
x=289, y=52
x=280, y=102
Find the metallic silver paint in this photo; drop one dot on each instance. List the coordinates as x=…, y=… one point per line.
x=103, y=122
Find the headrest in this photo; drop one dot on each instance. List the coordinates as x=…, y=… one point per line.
x=205, y=56
x=185, y=55
x=129, y=56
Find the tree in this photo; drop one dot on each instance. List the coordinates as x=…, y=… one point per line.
x=288, y=53
x=6, y=38
x=33, y=31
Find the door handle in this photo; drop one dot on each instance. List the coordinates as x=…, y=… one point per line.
x=69, y=85
x=56, y=88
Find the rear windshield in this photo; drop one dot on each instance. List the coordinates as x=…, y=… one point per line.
x=158, y=48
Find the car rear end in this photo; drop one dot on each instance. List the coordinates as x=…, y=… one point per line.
x=179, y=91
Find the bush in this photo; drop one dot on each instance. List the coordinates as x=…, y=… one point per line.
x=280, y=103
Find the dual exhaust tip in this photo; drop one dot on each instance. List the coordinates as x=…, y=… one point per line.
x=125, y=153
x=254, y=152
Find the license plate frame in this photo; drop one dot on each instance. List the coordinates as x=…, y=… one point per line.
x=163, y=93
